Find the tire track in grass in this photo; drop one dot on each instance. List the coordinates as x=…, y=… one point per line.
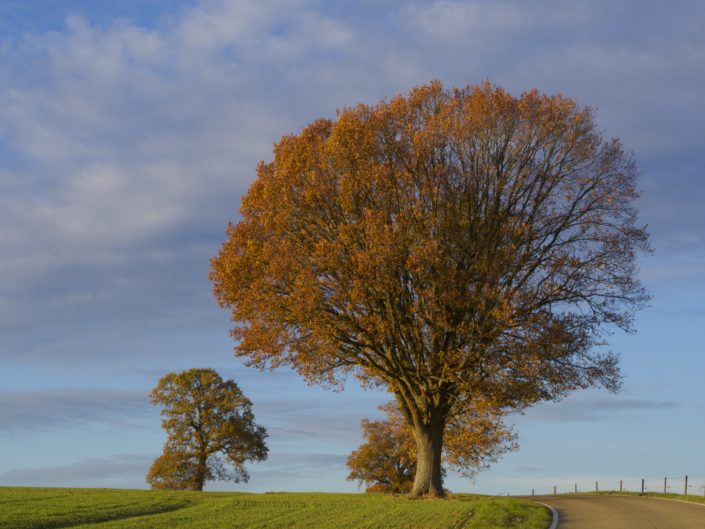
x=97, y=518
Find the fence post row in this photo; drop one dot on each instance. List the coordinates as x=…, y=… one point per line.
x=621, y=486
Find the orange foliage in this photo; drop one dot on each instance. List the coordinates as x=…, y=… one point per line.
x=477, y=437
x=173, y=471
x=386, y=462
x=453, y=246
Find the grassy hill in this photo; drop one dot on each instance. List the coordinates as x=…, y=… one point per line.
x=48, y=508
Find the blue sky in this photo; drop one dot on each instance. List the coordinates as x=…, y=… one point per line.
x=129, y=130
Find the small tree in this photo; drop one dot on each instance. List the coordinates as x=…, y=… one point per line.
x=174, y=471
x=386, y=462
x=451, y=246
x=211, y=431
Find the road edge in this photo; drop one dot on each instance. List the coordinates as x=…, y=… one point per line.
x=675, y=499
x=554, y=515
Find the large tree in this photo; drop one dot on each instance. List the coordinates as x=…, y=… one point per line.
x=448, y=245
x=211, y=431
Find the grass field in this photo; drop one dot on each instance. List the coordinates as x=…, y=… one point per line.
x=45, y=508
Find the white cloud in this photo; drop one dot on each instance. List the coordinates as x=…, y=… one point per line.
x=130, y=146
x=581, y=408
x=119, y=470
x=217, y=24
x=459, y=21
x=43, y=410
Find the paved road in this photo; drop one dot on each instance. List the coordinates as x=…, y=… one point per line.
x=624, y=512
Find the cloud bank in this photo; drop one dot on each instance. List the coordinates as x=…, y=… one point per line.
x=127, y=145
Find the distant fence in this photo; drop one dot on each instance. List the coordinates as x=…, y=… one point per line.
x=672, y=485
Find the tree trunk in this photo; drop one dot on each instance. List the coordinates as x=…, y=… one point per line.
x=201, y=470
x=429, y=445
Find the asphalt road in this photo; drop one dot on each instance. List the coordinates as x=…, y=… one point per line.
x=624, y=512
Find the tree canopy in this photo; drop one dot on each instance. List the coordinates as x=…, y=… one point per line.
x=211, y=431
x=449, y=245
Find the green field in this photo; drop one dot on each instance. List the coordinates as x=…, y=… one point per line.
x=46, y=508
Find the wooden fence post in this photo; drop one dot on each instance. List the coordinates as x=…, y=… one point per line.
x=620, y=485
x=686, y=485
x=665, y=485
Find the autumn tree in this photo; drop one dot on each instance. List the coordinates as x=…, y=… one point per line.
x=386, y=462
x=210, y=428
x=175, y=471
x=447, y=245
